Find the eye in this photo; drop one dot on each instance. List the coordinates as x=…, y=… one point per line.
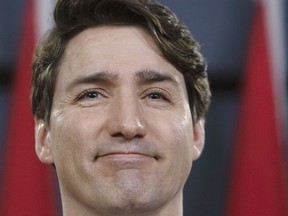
x=157, y=95
x=91, y=94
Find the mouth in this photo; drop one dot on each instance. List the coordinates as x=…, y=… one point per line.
x=128, y=153
x=123, y=160
x=125, y=156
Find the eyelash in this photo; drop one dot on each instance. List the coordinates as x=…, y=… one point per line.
x=161, y=94
x=86, y=93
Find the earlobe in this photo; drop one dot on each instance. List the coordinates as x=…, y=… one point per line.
x=42, y=141
x=199, y=138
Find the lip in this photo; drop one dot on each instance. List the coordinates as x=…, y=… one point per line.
x=125, y=156
x=125, y=161
x=129, y=151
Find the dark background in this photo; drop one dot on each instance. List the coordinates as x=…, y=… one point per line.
x=222, y=27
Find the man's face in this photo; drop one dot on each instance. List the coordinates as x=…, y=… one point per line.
x=121, y=134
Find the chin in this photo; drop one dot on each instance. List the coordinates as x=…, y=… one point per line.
x=135, y=193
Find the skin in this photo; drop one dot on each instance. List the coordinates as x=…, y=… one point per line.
x=121, y=134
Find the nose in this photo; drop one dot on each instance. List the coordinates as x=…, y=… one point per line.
x=126, y=118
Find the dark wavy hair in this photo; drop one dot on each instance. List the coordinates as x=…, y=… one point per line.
x=172, y=37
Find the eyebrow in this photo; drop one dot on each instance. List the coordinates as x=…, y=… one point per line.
x=105, y=77
x=151, y=76
x=98, y=77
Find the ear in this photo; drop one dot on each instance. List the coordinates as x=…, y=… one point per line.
x=199, y=138
x=43, y=141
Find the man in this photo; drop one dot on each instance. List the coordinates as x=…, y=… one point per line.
x=119, y=95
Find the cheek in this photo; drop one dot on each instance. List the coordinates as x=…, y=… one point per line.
x=175, y=140
x=176, y=134
x=74, y=135
x=183, y=144
x=180, y=130
x=74, y=138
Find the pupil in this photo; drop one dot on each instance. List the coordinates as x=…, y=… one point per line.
x=93, y=95
x=154, y=96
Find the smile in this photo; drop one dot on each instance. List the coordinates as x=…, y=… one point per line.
x=120, y=160
x=125, y=156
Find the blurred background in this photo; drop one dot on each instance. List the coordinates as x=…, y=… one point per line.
x=223, y=28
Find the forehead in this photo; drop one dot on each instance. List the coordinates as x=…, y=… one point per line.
x=124, y=50
x=112, y=41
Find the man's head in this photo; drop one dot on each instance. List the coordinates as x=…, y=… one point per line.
x=170, y=35
x=115, y=86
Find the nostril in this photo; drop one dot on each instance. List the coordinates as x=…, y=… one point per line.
x=117, y=135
